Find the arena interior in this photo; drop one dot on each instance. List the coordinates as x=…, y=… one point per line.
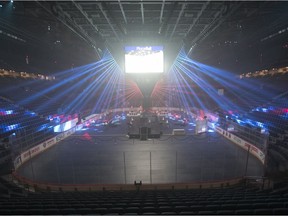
x=143, y=107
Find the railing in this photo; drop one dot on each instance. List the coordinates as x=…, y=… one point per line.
x=40, y=186
x=126, y=185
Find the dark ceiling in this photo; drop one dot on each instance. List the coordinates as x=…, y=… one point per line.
x=213, y=32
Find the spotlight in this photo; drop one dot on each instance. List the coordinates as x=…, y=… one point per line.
x=11, y=1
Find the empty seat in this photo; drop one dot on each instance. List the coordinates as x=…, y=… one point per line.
x=168, y=213
x=93, y=211
x=244, y=206
x=116, y=210
x=260, y=205
x=165, y=209
x=263, y=211
x=228, y=206
x=182, y=208
x=85, y=211
x=280, y=211
x=212, y=207
x=244, y=212
x=135, y=210
x=17, y=212
x=206, y=212
x=276, y=205
x=225, y=212
x=51, y=211
x=196, y=207
x=92, y=205
x=66, y=211
x=35, y=211
x=187, y=213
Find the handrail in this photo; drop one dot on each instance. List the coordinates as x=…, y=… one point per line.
x=42, y=186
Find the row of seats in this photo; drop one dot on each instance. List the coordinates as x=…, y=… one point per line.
x=233, y=200
x=134, y=211
x=41, y=96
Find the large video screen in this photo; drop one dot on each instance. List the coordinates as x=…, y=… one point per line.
x=144, y=59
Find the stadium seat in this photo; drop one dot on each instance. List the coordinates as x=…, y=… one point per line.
x=228, y=206
x=280, y=211
x=116, y=210
x=135, y=210
x=206, y=212
x=276, y=205
x=168, y=213
x=224, y=212
x=187, y=213
x=67, y=211
x=263, y=211
x=244, y=212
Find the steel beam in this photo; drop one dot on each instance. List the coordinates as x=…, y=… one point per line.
x=178, y=19
x=219, y=18
x=78, y=6
x=162, y=10
x=108, y=20
x=142, y=12
x=65, y=18
x=122, y=11
x=197, y=18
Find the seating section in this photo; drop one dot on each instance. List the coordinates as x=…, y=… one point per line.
x=22, y=113
x=29, y=95
x=224, y=201
x=25, y=125
x=28, y=114
x=270, y=110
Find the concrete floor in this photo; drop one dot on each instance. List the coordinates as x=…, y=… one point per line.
x=94, y=156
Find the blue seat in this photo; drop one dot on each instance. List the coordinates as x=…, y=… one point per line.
x=196, y=207
x=244, y=206
x=66, y=211
x=17, y=211
x=36, y=211
x=133, y=210
x=212, y=207
x=244, y=212
x=228, y=206
x=224, y=212
x=263, y=211
x=260, y=205
x=206, y=212
x=93, y=211
x=148, y=209
x=116, y=210
x=52, y=211
x=276, y=205
x=182, y=208
x=187, y=213
x=280, y=211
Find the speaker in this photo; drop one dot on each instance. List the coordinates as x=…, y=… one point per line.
x=147, y=102
x=143, y=133
x=149, y=131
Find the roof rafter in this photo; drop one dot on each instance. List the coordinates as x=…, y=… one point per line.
x=78, y=6
x=178, y=19
x=57, y=11
x=142, y=12
x=161, y=13
x=122, y=11
x=164, y=24
x=204, y=6
x=108, y=21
